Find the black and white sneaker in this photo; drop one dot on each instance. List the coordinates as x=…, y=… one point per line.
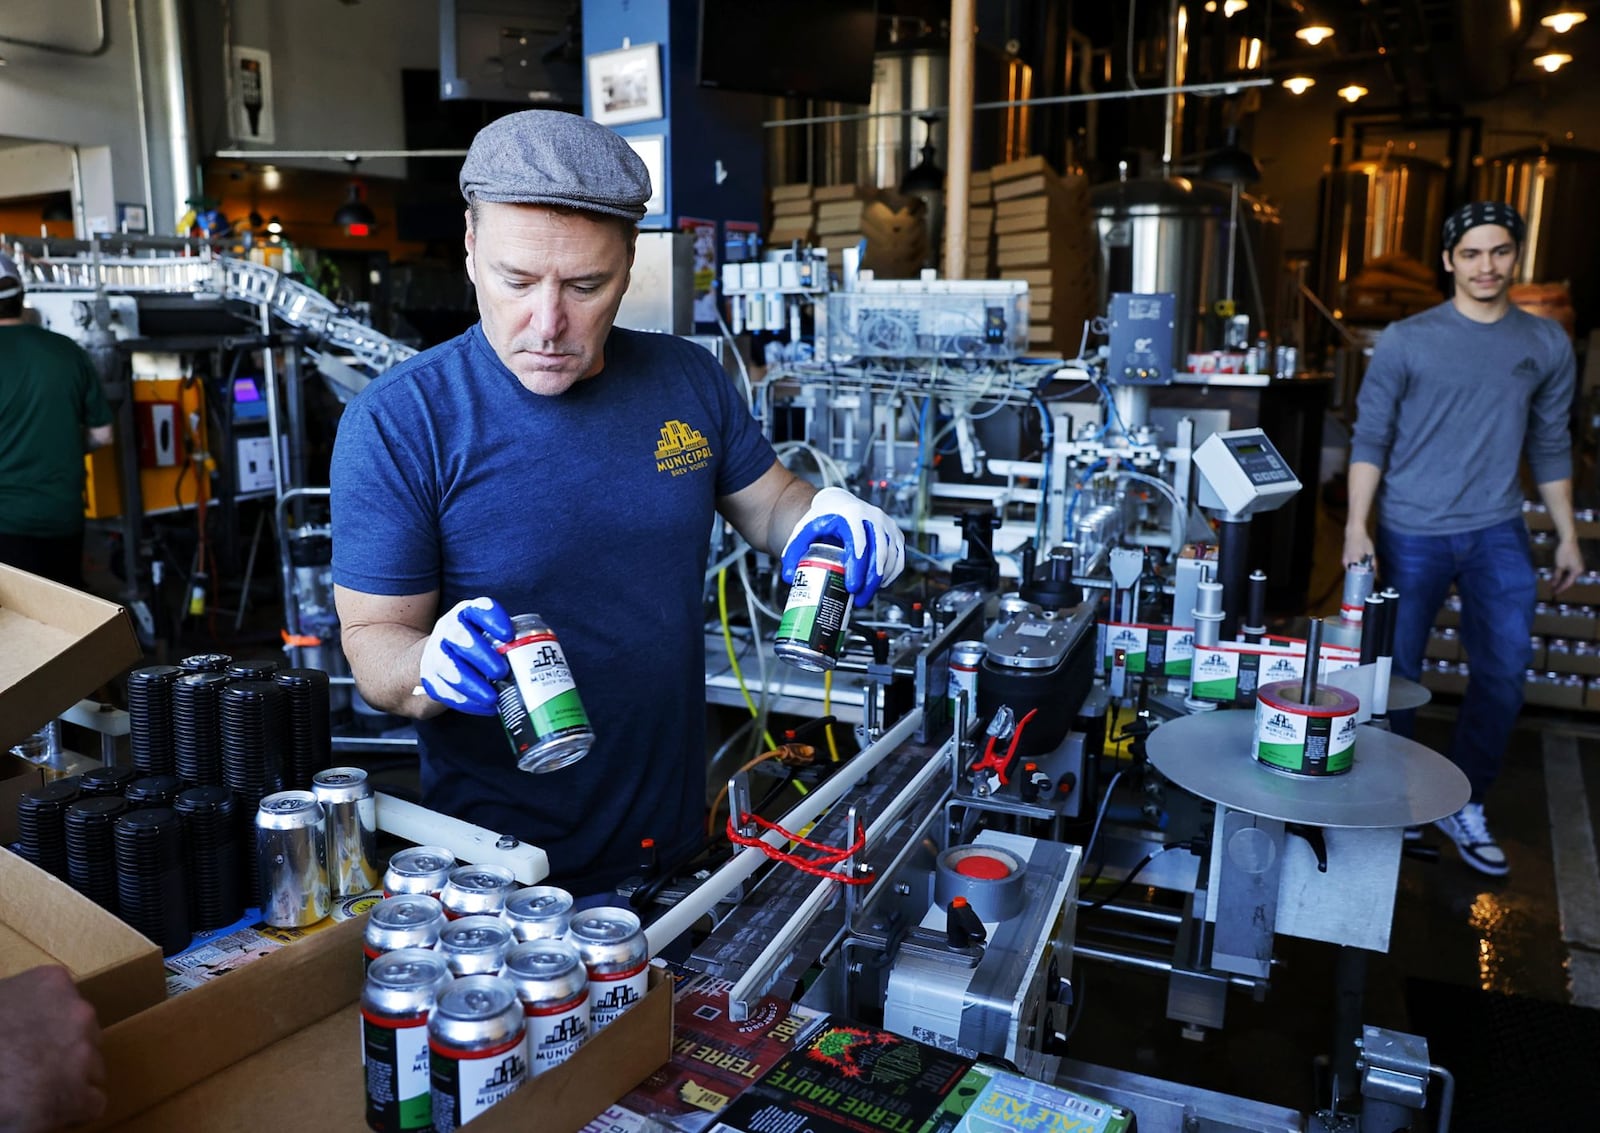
x=1468, y=830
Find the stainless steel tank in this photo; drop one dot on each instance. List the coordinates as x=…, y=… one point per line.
x=1378, y=207
x=916, y=76
x=1172, y=235
x=1555, y=188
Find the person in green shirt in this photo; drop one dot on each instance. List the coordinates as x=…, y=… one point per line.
x=52, y=411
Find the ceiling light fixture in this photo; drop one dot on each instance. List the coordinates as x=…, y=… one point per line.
x=1314, y=33
x=355, y=216
x=1298, y=84
x=1563, y=21
x=274, y=226
x=1552, y=61
x=1355, y=92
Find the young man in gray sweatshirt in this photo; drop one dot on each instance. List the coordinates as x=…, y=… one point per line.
x=1452, y=401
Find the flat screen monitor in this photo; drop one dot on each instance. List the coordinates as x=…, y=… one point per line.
x=818, y=49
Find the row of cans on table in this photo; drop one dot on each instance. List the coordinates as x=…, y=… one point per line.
x=314, y=846
x=458, y=1012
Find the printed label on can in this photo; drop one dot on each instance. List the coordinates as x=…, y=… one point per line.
x=613, y=993
x=549, y=694
x=963, y=679
x=466, y=1083
x=398, y=1072
x=1306, y=745
x=555, y=1033
x=818, y=606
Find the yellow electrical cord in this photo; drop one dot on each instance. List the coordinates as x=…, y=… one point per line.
x=827, y=710
x=733, y=657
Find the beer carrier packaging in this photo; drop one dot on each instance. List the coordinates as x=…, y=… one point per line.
x=285, y=1030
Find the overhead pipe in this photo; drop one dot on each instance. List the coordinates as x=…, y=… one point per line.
x=181, y=153
x=1177, y=65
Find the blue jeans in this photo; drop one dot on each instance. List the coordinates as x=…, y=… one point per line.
x=1492, y=570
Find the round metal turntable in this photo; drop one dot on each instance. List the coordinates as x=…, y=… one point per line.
x=1404, y=694
x=1393, y=782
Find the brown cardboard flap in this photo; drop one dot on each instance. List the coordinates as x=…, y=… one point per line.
x=47, y=921
x=193, y=1036
x=56, y=645
x=311, y=1080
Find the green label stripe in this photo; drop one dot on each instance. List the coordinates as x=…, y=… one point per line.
x=1216, y=690
x=1177, y=668
x=797, y=623
x=417, y=1113
x=562, y=711
x=1290, y=757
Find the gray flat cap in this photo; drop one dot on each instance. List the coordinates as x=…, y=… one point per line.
x=550, y=157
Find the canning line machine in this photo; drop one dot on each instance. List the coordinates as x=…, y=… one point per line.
x=1088, y=550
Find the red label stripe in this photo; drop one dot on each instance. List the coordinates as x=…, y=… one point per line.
x=521, y=641
x=391, y=1023
x=559, y=1008
x=612, y=977
x=460, y=1055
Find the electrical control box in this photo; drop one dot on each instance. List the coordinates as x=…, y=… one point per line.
x=1242, y=473
x=1141, y=334
x=983, y=320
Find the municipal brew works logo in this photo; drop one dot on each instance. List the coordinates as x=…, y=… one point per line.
x=1527, y=368
x=1215, y=665
x=1347, y=730
x=1278, y=727
x=682, y=448
x=1281, y=669
x=1125, y=639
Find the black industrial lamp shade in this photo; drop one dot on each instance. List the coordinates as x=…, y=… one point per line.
x=925, y=176
x=1231, y=164
x=354, y=212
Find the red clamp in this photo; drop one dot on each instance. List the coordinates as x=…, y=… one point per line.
x=992, y=759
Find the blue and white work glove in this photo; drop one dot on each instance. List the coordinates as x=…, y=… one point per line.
x=460, y=658
x=875, y=551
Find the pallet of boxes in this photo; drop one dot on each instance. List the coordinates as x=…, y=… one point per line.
x=1564, y=663
x=791, y=211
x=980, y=226
x=1044, y=235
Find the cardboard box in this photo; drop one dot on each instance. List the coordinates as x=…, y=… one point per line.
x=60, y=644
x=276, y=1043
x=1591, y=696
x=43, y=920
x=1570, y=622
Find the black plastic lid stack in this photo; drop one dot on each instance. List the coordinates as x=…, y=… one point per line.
x=152, y=892
x=310, y=728
x=197, y=728
x=150, y=718
x=253, y=669
x=206, y=663
x=106, y=780
x=211, y=852
x=41, y=824
x=152, y=790
x=91, y=858
x=254, y=743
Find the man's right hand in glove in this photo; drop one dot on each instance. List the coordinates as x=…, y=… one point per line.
x=460, y=658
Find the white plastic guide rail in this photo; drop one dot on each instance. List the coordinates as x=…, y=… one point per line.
x=467, y=842
x=678, y=919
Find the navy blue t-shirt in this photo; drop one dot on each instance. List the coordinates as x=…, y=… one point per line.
x=592, y=509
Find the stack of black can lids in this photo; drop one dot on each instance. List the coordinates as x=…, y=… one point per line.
x=168, y=844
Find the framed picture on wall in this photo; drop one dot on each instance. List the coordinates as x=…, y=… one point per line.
x=625, y=85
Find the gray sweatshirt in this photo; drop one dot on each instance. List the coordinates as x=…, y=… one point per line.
x=1447, y=408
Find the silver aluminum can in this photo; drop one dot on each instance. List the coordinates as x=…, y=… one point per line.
x=554, y=987
x=406, y=920
x=539, y=912
x=476, y=889
x=812, y=632
x=418, y=869
x=292, y=859
x=475, y=946
x=965, y=659
x=477, y=1035
x=617, y=956
x=346, y=799
x=399, y=994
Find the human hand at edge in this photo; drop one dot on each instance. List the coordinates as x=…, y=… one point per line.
x=460, y=659
x=875, y=550
x=1357, y=546
x=1568, y=565
x=50, y=1064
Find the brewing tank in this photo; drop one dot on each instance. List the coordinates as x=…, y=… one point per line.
x=1171, y=234
x=1379, y=207
x=1554, y=188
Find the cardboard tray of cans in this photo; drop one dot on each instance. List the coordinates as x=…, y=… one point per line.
x=277, y=1044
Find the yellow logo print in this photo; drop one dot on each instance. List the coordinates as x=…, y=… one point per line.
x=682, y=448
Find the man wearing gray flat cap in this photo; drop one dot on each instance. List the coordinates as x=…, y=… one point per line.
x=546, y=462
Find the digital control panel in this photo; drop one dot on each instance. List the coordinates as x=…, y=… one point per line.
x=1242, y=472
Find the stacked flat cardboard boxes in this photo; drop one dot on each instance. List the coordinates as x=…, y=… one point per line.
x=980, y=226
x=838, y=220
x=792, y=217
x=1044, y=236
